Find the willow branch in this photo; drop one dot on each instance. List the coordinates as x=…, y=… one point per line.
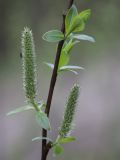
x=53, y=82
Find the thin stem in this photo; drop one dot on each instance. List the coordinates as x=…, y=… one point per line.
x=70, y=3
x=45, y=146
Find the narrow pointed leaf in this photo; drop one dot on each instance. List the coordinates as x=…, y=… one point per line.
x=20, y=109
x=71, y=67
x=50, y=65
x=53, y=36
x=43, y=120
x=67, y=139
x=41, y=138
x=58, y=149
x=75, y=72
x=83, y=37
x=70, y=70
x=70, y=16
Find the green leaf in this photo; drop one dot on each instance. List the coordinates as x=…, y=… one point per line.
x=80, y=27
x=65, y=54
x=50, y=65
x=70, y=16
x=53, y=36
x=64, y=59
x=67, y=139
x=20, y=109
x=71, y=67
x=68, y=47
x=83, y=37
x=78, y=23
x=43, y=120
x=40, y=138
x=85, y=14
x=58, y=149
x=77, y=26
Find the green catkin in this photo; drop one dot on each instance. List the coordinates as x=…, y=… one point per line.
x=29, y=67
x=66, y=126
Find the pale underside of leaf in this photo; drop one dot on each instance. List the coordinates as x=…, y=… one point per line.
x=83, y=37
x=20, y=109
x=70, y=70
x=50, y=65
x=41, y=138
x=53, y=36
x=71, y=67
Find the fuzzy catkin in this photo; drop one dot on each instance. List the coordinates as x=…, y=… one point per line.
x=29, y=67
x=66, y=126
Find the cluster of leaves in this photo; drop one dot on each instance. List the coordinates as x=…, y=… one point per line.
x=74, y=24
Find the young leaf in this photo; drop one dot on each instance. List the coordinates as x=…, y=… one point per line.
x=65, y=56
x=40, y=138
x=78, y=23
x=43, y=120
x=50, y=65
x=58, y=149
x=20, y=109
x=83, y=37
x=77, y=26
x=70, y=16
x=53, y=36
x=85, y=14
x=67, y=139
x=64, y=59
x=68, y=47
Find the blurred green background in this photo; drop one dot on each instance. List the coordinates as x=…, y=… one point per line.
x=97, y=126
